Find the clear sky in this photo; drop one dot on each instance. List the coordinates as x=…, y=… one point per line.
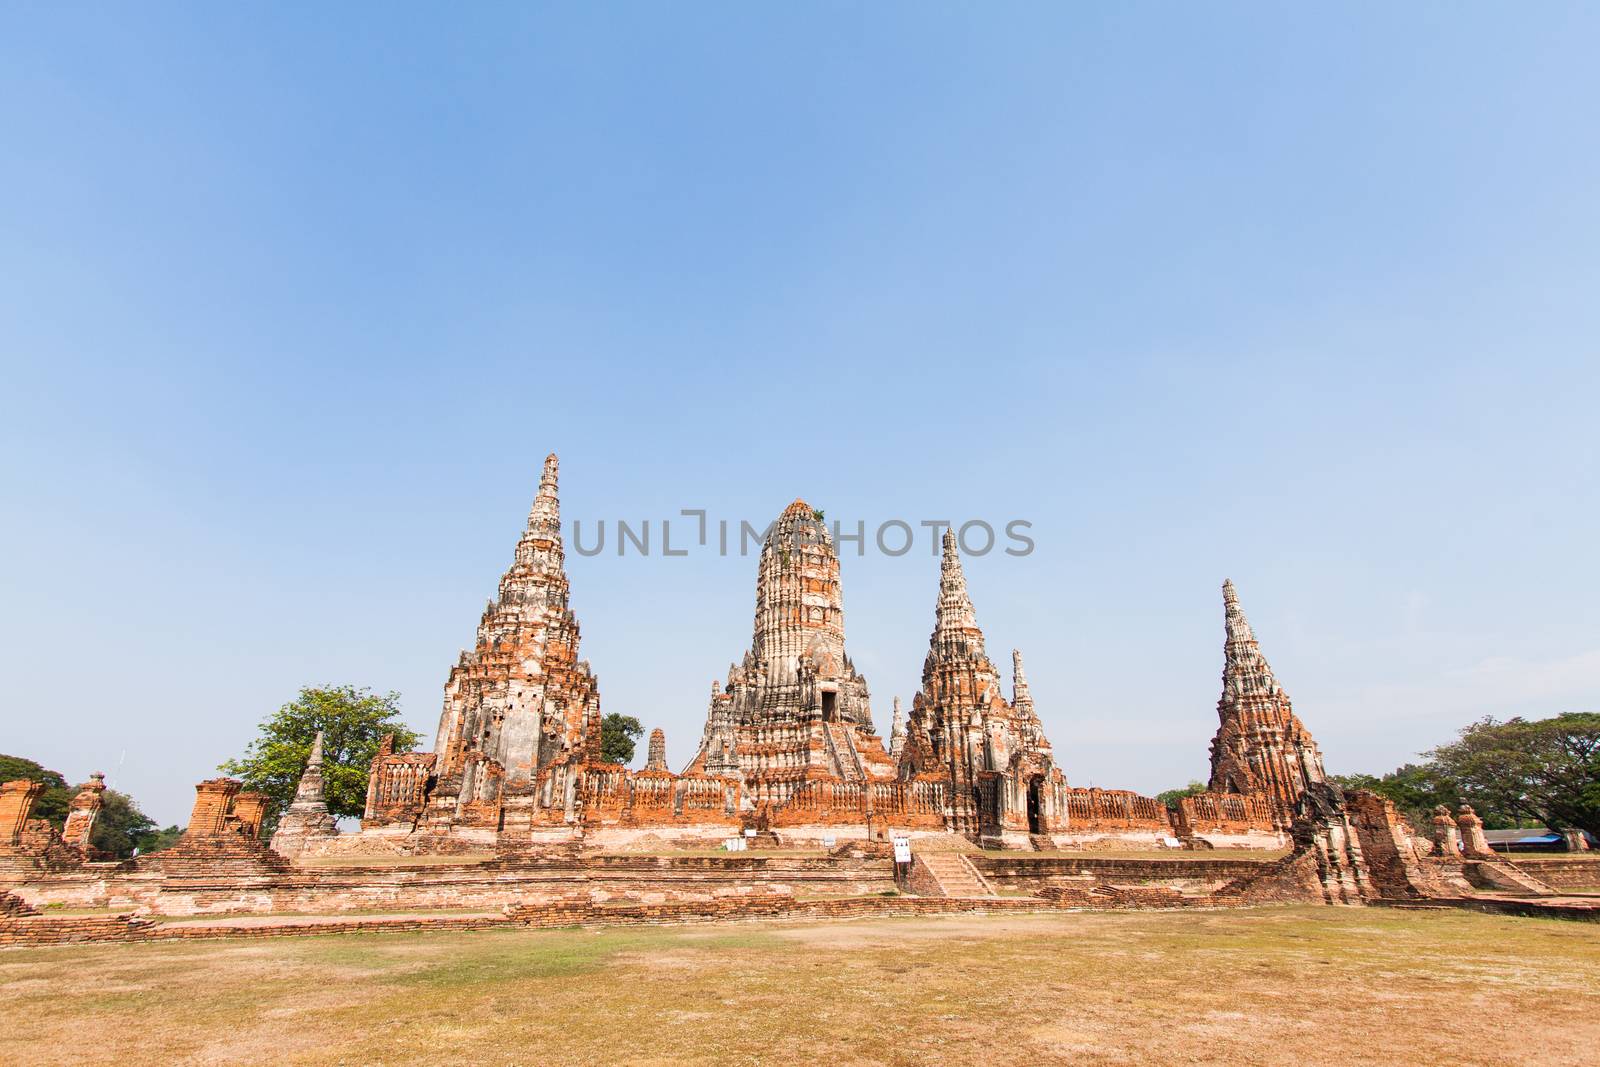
x=296, y=299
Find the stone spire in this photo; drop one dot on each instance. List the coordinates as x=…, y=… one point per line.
x=657, y=760
x=307, y=818
x=897, y=732
x=310, y=787
x=541, y=541
x=1021, y=697
x=545, y=516
x=522, y=698
x=955, y=622
x=1261, y=747
x=1245, y=669
x=992, y=753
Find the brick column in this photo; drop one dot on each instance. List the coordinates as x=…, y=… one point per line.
x=213, y=802
x=16, y=804
x=85, y=809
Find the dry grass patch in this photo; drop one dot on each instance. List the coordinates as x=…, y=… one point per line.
x=1308, y=985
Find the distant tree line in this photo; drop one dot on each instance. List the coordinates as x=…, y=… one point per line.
x=1544, y=772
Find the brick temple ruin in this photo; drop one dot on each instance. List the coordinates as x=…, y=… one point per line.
x=789, y=744
x=789, y=764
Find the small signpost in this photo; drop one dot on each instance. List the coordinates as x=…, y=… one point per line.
x=829, y=841
x=902, y=850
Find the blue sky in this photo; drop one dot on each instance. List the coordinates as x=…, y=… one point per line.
x=297, y=298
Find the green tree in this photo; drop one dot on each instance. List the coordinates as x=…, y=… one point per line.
x=1416, y=789
x=52, y=803
x=618, y=734
x=353, y=722
x=156, y=840
x=121, y=826
x=1170, y=797
x=1548, y=769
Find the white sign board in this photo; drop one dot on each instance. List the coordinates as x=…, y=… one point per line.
x=829, y=842
x=749, y=833
x=902, y=850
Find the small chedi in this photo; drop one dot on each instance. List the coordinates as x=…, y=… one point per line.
x=307, y=817
x=789, y=755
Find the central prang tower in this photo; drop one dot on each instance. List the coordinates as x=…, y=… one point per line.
x=794, y=709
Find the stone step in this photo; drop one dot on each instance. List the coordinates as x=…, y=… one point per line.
x=955, y=875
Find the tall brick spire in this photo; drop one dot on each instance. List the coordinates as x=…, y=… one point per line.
x=545, y=515
x=1245, y=669
x=794, y=708
x=521, y=699
x=1261, y=746
x=798, y=602
x=657, y=759
x=992, y=753
x=955, y=627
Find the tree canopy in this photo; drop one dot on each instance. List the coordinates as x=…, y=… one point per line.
x=618, y=737
x=353, y=722
x=1548, y=770
x=1513, y=773
x=1170, y=797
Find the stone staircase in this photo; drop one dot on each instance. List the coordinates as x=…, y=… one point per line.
x=846, y=760
x=1505, y=876
x=949, y=874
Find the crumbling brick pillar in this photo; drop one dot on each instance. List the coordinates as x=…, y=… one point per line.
x=213, y=803
x=85, y=809
x=1444, y=835
x=250, y=809
x=16, y=804
x=1473, y=841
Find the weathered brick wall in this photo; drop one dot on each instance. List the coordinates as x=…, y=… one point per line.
x=232, y=879
x=1035, y=873
x=1577, y=871
x=213, y=802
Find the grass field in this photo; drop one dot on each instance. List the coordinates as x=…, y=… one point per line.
x=1303, y=985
